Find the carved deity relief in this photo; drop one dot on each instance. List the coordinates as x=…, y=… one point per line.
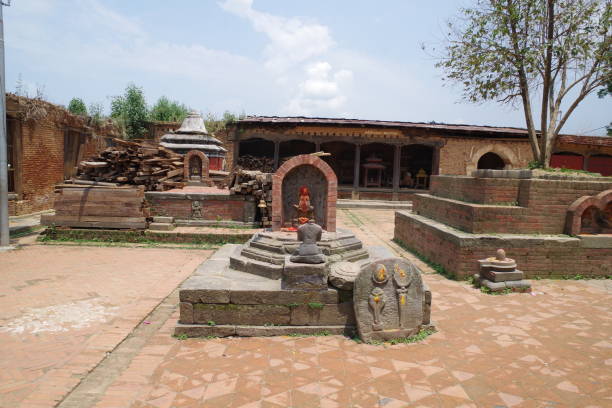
x=196, y=209
x=402, y=279
x=377, y=304
x=380, y=274
x=304, y=210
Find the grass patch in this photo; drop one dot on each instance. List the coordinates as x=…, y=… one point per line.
x=180, y=336
x=439, y=269
x=315, y=305
x=317, y=334
x=25, y=232
x=488, y=291
x=420, y=336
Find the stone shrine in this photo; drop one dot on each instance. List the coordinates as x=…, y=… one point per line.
x=279, y=283
x=390, y=300
x=499, y=273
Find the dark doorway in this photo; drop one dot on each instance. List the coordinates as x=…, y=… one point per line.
x=342, y=160
x=491, y=161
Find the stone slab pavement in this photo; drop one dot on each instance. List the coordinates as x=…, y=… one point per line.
x=63, y=309
x=552, y=348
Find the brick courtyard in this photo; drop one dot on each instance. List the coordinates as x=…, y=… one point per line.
x=91, y=327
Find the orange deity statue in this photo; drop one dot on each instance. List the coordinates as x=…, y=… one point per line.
x=304, y=210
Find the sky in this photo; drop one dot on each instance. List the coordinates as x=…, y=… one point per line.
x=343, y=58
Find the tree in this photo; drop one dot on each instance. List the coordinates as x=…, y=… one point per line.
x=77, y=106
x=214, y=124
x=603, y=92
x=130, y=112
x=168, y=111
x=96, y=111
x=518, y=51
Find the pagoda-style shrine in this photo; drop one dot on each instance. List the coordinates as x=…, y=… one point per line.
x=192, y=135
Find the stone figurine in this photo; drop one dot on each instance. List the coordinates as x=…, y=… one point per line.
x=196, y=209
x=308, y=252
x=377, y=304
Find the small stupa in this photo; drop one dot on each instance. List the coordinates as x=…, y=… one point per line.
x=192, y=135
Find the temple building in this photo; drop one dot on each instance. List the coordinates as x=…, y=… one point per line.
x=391, y=160
x=192, y=135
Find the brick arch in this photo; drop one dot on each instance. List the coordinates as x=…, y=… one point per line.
x=277, y=189
x=573, y=220
x=505, y=152
x=204, y=172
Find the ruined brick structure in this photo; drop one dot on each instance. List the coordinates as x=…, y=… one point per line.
x=464, y=219
x=45, y=144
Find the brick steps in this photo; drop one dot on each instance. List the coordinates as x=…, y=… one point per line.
x=198, y=330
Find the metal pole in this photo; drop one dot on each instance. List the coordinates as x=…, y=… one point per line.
x=4, y=220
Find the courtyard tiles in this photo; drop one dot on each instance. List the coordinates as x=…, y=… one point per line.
x=62, y=309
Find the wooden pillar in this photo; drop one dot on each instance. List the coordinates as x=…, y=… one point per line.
x=276, y=154
x=435, y=161
x=355, y=193
x=585, y=161
x=396, y=171
x=317, y=146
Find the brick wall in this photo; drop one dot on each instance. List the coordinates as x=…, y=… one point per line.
x=458, y=253
x=214, y=207
x=459, y=156
x=476, y=190
x=542, y=203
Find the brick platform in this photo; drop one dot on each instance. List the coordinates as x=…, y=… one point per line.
x=464, y=219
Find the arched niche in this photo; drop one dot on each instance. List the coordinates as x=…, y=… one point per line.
x=491, y=161
x=195, y=161
x=590, y=214
x=504, y=152
x=318, y=176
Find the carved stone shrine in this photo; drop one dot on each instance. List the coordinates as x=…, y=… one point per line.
x=390, y=300
x=499, y=273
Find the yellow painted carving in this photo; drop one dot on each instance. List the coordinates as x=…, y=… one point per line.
x=376, y=299
x=381, y=273
x=402, y=299
x=399, y=271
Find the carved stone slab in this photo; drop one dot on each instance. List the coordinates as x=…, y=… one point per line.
x=389, y=300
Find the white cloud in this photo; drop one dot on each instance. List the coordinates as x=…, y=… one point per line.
x=292, y=40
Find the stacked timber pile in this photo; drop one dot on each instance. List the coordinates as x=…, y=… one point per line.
x=263, y=164
x=155, y=168
x=257, y=184
x=100, y=205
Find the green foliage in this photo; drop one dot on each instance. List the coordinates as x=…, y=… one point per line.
x=535, y=164
x=488, y=291
x=315, y=305
x=420, y=336
x=439, y=269
x=516, y=52
x=77, y=106
x=96, y=112
x=130, y=112
x=214, y=124
x=605, y=91
x=292, y=305
x=211, y=323
x=168, y=111
x=322, y=333
x=180, y=336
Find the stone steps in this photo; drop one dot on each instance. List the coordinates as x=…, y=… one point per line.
x=199, y=330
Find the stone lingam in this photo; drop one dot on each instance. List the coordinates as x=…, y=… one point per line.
x=499, y=273
x=283, y=281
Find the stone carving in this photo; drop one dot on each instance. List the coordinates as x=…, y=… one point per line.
x=343, y=274
x=308, y=252
x=377, y=304
x=390, y=300
x=403, y=278
x=499, y=273
x=196, y=209
x=304, y=211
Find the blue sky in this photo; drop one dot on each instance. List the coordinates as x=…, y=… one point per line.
x=342, y=58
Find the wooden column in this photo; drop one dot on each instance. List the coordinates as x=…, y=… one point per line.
x=317, y=147
x=585, y=161
x=435, y=161
x=276, y=154
x=396, y=171
x=355, y=193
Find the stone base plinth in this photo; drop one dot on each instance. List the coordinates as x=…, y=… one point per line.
x=219, y=300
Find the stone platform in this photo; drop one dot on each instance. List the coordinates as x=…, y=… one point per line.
x=239, y=290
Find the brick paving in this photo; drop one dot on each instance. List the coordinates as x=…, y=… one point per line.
x=63, y=308
x=552, y=348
